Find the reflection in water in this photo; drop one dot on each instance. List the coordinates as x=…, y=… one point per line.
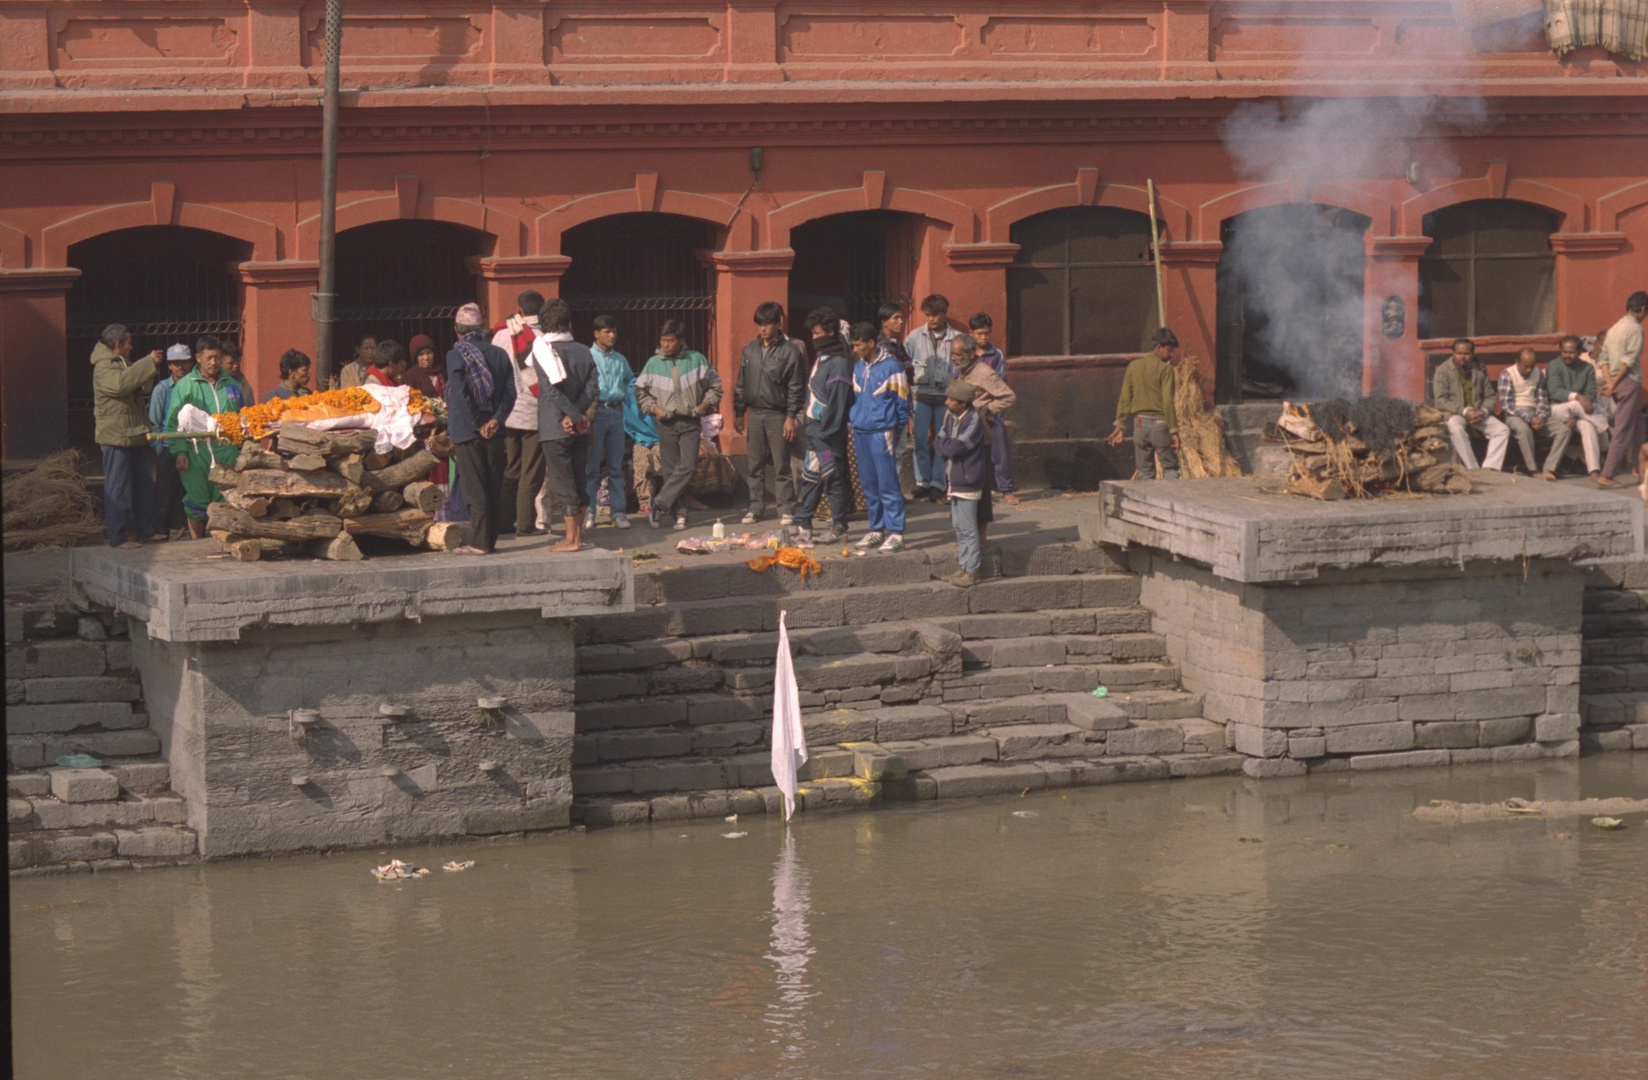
x=791, y=950
x=1195, y=929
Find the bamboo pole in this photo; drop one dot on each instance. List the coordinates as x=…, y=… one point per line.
x=1156, y=255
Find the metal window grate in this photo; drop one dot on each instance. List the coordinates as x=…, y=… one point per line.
x=643, y=269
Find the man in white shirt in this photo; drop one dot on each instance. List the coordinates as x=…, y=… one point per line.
x=1620, y=377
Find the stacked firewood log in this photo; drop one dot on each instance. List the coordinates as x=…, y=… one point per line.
x=311, y=493
x=1367, y=448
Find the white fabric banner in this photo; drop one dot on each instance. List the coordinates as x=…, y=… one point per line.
x=789, y=741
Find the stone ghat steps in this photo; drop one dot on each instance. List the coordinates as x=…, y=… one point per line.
x=907, y=769
x=1613, y=675
x=1030, y=727
x=113, y=817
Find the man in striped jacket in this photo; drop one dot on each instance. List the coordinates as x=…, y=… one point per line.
x=678, y=388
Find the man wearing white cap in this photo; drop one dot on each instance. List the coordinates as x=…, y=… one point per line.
x=480, y=394
x=168, y=488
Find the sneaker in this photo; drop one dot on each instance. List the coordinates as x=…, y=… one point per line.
x=680, y=522
x=803, y=539
x=620, y=521
x=837, y=535
x=895, y=542
x=962, y=578
x=589, y=519
x=869, y=540
x=787, y=519
x=749, y=519
x=655, y=519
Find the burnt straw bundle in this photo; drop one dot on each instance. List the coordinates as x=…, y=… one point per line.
x=1367, y=448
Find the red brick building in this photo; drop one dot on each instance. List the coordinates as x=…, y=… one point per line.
x=159, y=167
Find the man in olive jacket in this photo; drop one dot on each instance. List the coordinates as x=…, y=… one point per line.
x=120, y=406
x=1463, y=390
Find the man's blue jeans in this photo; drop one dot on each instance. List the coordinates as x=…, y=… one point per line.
x=964, y=514
x=929, y=418
x=128, y=495
x=607, y=441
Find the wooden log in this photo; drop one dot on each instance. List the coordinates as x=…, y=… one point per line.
x=355, y=502
x=445, y=536
x=297, y=439
x=253, y=456
x=422, y=495
x=411, y=526
x=320, y=483
x=375, y=461
x=340, y=548
x=306, y=462
x=399, y=475
x=246, y=544
x=305, y=527
x=224, y=479
x=350, y=467
x=1443, y=479
x=256, y=505
x=282, y=509
x=385, y=502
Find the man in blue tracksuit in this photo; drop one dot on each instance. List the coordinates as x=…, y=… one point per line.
x=881, y=409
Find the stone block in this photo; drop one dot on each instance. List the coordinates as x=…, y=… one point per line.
x=1556, y=727
x=839, y=725
x=1329, y=714
x=609, y=715
x=80, y=689
x=1567, y=749
x=1410, y=759
x=686, y=807
x=681, y=774
x=1370, y=738
x=681, y=679
x=752, y=770
x=26, y=784
x=964, y=749
x=599, y=812
x=84, y=785
x=78, y=848
x=1519, y=752
x=874, y=762
x=910, y=789
x=727, y=709
x=144, y=776
x=721, y=738
x=958, y=781
x=929, y=601
x=1029, y=742
x=1189, y=765
x=608, y=686
x=1269, y=768
x=1503, y=732
x=911, y=722
x=1427, y=707
x=1445, y=734
x=602, y=780
x=828, y=763
x=56, y=659
x=1259, y=742
x=861, y=670
x=119, y=656
x=165, y=809
x=1562, y=699
x=1639, y=736
x=643, y=743
x=19, y=811
x=1150, y=737
x=1308, y=746
x=53, y=814
x=489, y=821
x=1090, y=713
x=43, y=719
x=838, y=794
x=734, y=616
x=1497, y=704
x=1596, y=742
x=91, y=628
x=1203, y=737
x=1026, y=652
x=154, y=843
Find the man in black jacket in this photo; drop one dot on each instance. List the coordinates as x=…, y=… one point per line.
x=829, y=397
x=567, y=393
x=772, y=389
x=480, y=392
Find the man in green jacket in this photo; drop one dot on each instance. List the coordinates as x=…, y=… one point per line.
x=678, y=388
x=209, y=389
x=1462, y=389
x=1147, y=403
x=119, y=395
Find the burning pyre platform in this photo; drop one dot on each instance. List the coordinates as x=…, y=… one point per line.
x=325, y=704
x=1380, y=632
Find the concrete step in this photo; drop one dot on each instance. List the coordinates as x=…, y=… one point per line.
x=1614, y=650
x=1613, y=678
x=35, y=751
x=1000, y=682
x=1610, y=601
x=126, y=811
x=1160, y=704
x=1614, y=624
x=1614, y=710
x=928, y=600
x=59, y=850
x=1062, y=648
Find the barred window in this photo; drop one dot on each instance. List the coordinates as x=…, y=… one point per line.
x=1489, y=270
x=1081, y=283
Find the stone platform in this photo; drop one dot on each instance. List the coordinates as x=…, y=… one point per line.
x=1384, y=632
x=313, y=704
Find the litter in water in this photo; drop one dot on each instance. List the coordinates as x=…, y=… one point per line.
x=1027, y=813
x=455, y=867
x=733, y=835
x=730, y=817
x=395, y=870
x=1608, y=823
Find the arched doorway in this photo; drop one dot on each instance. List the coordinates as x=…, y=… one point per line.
x=1082, y=283
x=397, y=279
x=1290, y=303
x=643, y=269
x=853, y=263
x=1489, y=270
x=167, y=283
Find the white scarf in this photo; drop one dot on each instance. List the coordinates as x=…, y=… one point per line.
x=547, y=359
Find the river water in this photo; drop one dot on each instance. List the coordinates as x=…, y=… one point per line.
x=1209, y=928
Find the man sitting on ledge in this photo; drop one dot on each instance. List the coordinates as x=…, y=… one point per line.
x=1463, y=390
x=1525, y=405
x=1571, y=385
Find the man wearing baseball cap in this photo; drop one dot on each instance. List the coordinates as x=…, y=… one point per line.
x=480, y=394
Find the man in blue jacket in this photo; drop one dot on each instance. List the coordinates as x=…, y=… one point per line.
x=881, y=409
x=829, y=397
x=480, y=393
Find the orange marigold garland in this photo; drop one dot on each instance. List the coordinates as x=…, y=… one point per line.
x=254, y=420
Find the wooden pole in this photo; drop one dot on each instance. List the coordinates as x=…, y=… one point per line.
x=1156, y=255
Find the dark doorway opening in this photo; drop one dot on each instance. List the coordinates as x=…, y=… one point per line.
x=643, y=269
x=397, y=279
x=167, y=283
x=1082, y=283
x=853, y=263
x=1290, y=303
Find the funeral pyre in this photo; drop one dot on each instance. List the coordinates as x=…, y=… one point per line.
x=1366, y=448
x=313, y=473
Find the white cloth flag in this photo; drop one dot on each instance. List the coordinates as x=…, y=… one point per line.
x=789, y=741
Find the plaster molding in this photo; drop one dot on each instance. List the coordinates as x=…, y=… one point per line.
x=14, y=248
x=1084, y=190
x=957, y=215
x=1295, y=189
x=38, y=279
x=646, y=196
x=776, y=261
x=56, y=238
x=505, y=229
x=1616, y=204
x=1597, y=243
